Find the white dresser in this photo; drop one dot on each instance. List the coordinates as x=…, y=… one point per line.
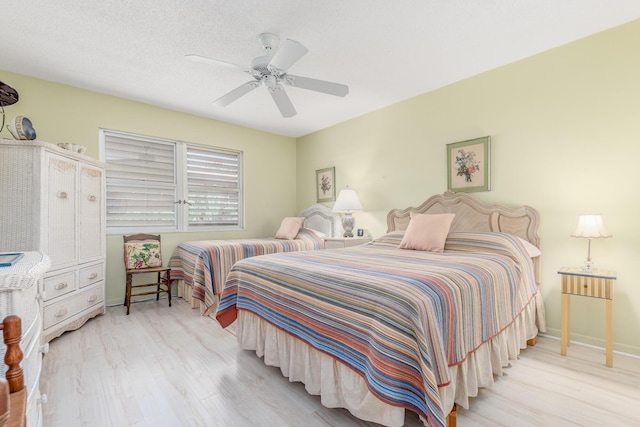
x=52, y=201
x=19, y=295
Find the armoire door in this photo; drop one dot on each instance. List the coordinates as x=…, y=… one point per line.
x=61, y=213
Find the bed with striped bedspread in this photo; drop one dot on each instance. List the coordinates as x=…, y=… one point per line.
x=398, y=318
x=203, y=265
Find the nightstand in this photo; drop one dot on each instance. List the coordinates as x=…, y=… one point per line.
x=595, y=284
x=344, y=242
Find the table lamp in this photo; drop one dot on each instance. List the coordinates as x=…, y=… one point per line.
x=590, y=227
x=347, y=203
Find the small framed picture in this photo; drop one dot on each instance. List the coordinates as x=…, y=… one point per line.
x=325, y=184
x=468, y=165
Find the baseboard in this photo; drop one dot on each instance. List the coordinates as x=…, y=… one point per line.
x=629, y=351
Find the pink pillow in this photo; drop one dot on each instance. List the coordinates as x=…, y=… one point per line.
x=289, y=228
x=427, y=232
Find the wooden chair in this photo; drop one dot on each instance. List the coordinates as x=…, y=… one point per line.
x=142, y=255
x=13, y=395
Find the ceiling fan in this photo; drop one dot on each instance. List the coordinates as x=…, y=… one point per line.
x=271, y=71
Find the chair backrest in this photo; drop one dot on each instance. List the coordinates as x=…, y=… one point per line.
x=142, y=251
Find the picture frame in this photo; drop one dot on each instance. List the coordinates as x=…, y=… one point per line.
x=326, y=185
x=469, y=165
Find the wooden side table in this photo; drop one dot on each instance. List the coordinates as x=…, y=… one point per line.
x=344, y=242
x=595, y=284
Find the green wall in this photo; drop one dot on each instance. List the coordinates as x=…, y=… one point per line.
x=565, y=131
x=65, y=114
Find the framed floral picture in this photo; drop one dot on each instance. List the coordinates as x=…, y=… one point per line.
x=468, y=165
x=325, y=184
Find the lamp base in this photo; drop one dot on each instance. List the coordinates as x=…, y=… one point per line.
x=348, y=222
x=588, y=263
x=588, y=266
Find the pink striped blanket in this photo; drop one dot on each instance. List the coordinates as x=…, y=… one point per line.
x=399, y=318
x=203, y=265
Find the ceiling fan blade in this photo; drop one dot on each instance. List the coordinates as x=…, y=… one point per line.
x=330, y=88
x=288, y=54
x=282, y=101
x=238, y=92
x=205, y=60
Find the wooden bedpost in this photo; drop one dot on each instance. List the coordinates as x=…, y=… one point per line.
x=531, y=342
x=451, y=418
x=12, y=334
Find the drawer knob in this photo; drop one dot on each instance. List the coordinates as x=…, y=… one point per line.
x=92, y=298
x=62, y=195
x=93, y=275
x=44, y=349
x=586, y=286
x=92, y=198
x=61, y=285
x=62, y=312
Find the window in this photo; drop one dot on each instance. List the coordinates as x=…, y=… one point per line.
x=162, y=185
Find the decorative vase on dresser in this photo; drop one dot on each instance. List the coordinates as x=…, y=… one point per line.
x=20, y=285
x=52, y=201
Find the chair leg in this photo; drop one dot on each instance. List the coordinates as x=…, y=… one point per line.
x=169, y=287
x=159, y=284
x=126, y=289
x=127, y=298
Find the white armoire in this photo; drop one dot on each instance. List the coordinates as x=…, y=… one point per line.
x=52, y=201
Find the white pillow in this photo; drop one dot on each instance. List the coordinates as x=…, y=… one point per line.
x=427, y=232
x=289, y=228
x=531, y=249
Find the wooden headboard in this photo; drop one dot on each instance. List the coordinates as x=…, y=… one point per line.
x=323, y=219
x=472, y=215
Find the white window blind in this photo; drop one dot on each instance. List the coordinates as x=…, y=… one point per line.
x=161, y=185
x=213, y=182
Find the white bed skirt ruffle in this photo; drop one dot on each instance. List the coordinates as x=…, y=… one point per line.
x=341, y=387
x=186, y=292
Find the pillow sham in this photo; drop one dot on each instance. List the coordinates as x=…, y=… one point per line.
x=427, y=232
x=531, y=249
x=289, y=228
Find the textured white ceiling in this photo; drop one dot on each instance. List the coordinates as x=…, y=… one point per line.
x=386, y=51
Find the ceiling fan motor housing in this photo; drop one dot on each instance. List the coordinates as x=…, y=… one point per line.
x=260, y=66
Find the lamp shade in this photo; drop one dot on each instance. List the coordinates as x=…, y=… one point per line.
x=347, y=201
x=590, y=226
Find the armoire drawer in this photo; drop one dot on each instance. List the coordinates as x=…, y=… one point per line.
x=73, y=304
x=91, y=274
x=60, y=284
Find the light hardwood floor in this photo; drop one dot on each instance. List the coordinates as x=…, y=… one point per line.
x=164, y=366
